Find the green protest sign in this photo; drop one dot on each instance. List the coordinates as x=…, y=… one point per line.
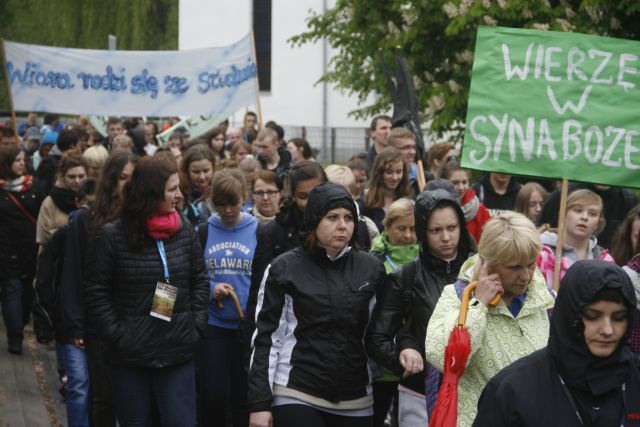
x=555, y=105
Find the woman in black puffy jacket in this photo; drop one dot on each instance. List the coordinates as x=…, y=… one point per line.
x=309, y=361
x=146, y=293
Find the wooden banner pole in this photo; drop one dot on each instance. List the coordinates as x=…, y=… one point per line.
x=14, y=121
x=560, y=243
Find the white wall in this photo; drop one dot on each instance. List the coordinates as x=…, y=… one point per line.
x=294, y=98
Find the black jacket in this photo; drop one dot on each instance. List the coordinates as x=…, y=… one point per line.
x=119, y=286
x=529, y=393
x=409, y=295
x=18, y=236
x=617, y=202
x=46, y=307
x=493, y=201
x=326, y=307
x=284, y=165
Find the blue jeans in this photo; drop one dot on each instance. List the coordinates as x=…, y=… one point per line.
x=11, y=296
x=173, y=387
x=73, y=360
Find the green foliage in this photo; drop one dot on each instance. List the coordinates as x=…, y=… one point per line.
x=138, y=25
x=437, y=39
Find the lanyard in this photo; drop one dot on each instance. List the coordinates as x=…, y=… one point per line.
x=575, y=407
x=390, y=262
x=163, y=258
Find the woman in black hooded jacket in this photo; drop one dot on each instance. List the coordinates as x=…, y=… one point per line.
x=587, y=374
x=396, y=335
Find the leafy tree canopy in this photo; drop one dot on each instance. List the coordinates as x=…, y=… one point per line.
x=138, y=25
x=437, y=39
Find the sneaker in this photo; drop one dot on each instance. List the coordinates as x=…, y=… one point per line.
x=63, y=387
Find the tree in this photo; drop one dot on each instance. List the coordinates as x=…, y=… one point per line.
x=437, y=39
x=139, y=25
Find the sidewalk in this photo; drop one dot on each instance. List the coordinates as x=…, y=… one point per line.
x=29, y=385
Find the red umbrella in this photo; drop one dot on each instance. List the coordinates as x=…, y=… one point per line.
x=445, y=413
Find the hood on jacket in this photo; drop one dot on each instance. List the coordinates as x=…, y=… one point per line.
x=426, y=203
x=246, y=221
x=322, y=199
x=567, y=346
x=551, y=239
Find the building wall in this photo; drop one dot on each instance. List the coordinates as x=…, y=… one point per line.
x=294, y=99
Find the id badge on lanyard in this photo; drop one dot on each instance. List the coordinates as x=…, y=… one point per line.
x=164, y=298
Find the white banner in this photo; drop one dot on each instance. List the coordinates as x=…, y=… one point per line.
x=211, y=81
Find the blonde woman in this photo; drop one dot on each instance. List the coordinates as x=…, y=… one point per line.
x=517, y=326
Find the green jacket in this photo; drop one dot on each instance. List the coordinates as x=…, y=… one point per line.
x=497, y=338
x=399, y=255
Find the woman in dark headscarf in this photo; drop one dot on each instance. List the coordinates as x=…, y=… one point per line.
x=587, y=375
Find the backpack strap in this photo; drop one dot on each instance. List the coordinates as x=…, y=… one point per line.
x=203, y=232
x=459, y=286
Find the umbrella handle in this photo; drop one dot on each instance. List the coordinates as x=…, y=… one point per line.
x=236, y=302
x=464, y=303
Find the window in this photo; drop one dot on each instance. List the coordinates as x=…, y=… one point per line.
x=262, y=34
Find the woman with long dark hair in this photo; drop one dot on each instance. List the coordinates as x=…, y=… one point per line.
x=196, y=170
x=389, y=182
x=18, y=249
x=116, y=174
x=146, y=293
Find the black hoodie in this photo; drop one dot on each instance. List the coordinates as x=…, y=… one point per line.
x=530, y=392
x=409, y=295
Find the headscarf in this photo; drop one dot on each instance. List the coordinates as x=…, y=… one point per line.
x=567, y=347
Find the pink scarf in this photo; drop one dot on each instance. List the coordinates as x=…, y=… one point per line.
x=162, y=227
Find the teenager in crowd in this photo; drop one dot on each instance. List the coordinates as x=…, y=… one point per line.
x=196, y=170
x=358, y=166
x=55, y=209
x=96, y=156
x=59, y=306
x=397, y=332
x=617, y=203
x=395, y=247
x=530, y=200
x=231, y=238
x=389, y=182
x=584, y=219
x=438, y=156
x=106, y=207
x=18, y=249
x=283, y=234
x=151, y=142
x=309, y=361
x=267, y=193
x=625, y=241
x=146, y=293
x=476, y=214
x=239, y=151
x=518, y=325
x=215, y=140
x=498, y=192
x=587, y=374
x=300, y=150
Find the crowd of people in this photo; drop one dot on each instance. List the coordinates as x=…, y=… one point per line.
x=230, y=279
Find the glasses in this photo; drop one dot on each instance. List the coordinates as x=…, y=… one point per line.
x=268, y=193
